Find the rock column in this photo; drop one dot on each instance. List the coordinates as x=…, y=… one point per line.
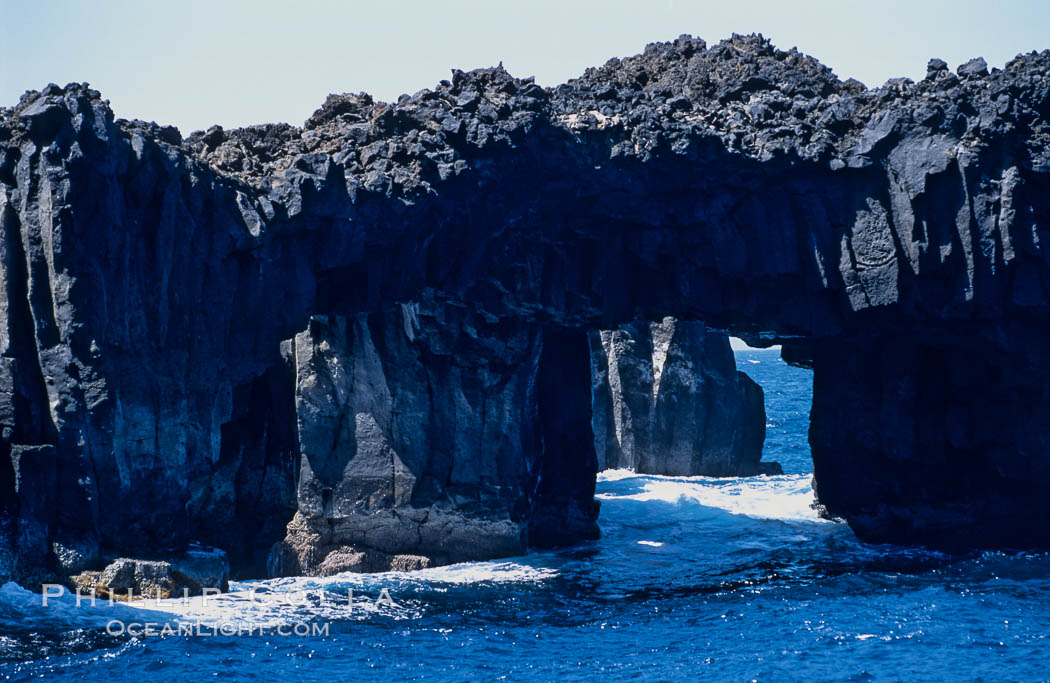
x=668, y=399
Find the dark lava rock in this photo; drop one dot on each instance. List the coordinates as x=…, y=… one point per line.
x=421, y=435
x=149, y=281
x=975, y=67
x=668, y=399
x=188, y=574
x=936, y=66
x=408, y=419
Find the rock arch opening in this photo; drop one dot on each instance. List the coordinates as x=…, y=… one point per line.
x=787, y=388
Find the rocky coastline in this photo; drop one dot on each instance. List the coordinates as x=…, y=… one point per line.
x=366, y=343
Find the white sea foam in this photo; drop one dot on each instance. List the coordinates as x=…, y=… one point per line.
x=482, y=572
x=275, y=601
x=464, y=573
x=788, y=497
x=268, y=604
x=242, y=609
x=616, y=475
x=26, y=608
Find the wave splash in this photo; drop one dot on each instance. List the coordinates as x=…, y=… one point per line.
x=785, y=497
x=267, y=604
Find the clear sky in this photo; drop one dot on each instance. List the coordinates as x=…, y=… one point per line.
x=196, y=62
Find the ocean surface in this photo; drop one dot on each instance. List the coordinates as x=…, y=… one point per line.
x=729, y=579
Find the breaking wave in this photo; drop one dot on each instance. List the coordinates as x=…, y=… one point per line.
x=267, y=604
x=786, y=497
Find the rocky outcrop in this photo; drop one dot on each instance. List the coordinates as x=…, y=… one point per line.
x=148, y=281
x=404, y=419
x=420, y=441
x=668, y=399
x=188, y=574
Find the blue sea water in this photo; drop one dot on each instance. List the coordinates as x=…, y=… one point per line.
x=729, y=579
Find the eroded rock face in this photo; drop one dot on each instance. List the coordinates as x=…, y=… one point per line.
x=187, y=574
x=668, y=399
x=983, y=461
x=419, y=439
x=149, y=280
x=406, y=420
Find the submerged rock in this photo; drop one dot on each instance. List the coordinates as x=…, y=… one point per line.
x=668, y=399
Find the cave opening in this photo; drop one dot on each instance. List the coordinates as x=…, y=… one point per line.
x=252, y=494
x=524, y=420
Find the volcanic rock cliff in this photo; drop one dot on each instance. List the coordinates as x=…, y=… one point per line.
x=422, y=441
x=893, y=238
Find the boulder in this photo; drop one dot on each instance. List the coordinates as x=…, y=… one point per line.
x=976, y=67
x=343, y=559
x=936, y=66
x=186, y=575
x=668, y=399
x=349, y=559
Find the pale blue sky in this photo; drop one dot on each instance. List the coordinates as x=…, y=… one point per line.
x=197, y=62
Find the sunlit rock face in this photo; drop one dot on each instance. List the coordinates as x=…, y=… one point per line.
x=424, y=435
x=405, y=420
x=668, y=399
x=149, y=281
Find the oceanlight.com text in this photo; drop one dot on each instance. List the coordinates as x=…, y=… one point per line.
x=148, y=629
